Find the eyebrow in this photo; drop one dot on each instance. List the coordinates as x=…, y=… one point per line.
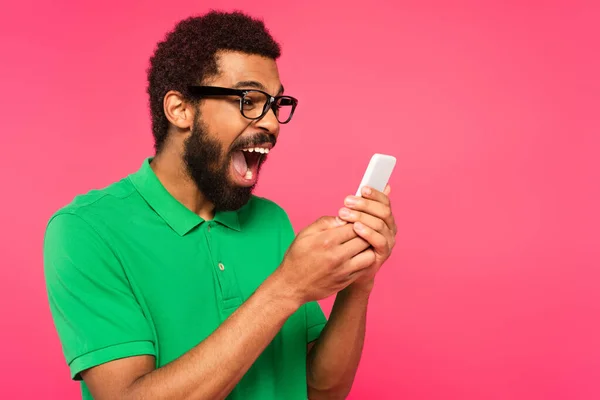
x=256, y=85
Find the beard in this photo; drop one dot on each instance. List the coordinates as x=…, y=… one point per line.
x=209, y=167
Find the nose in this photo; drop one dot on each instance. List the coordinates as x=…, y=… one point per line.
x=269, y=122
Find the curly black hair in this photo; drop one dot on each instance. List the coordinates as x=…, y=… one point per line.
x=187, y=56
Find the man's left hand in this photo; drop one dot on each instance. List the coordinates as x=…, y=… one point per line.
x=374, y=221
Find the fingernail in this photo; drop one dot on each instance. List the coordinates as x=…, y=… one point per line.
x=359, y=226
x=367, y=190
x=344, y=212
x=340, y=221
x=351, y=201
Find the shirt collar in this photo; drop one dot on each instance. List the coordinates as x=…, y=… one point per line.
x=180, y=218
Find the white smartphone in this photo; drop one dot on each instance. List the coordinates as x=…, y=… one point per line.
x=378, y=172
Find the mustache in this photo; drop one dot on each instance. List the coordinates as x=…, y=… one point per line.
x=255, y=140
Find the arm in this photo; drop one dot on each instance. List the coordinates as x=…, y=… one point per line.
x=333, y=359
x=113, y=351
x=107, y=340
x=218, y=362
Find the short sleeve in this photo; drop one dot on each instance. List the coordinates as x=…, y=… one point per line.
x=315, y=321
x=95, y=313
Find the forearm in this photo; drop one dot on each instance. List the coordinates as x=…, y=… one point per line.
x=333, y=360
x=213, y=368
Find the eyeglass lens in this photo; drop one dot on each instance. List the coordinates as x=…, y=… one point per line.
x=254, y=104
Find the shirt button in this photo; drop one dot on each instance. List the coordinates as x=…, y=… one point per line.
x=221, y=267
x=208, y=228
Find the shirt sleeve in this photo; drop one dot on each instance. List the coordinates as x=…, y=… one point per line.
x=315, y=321
x=94, y=310
x=315, y=318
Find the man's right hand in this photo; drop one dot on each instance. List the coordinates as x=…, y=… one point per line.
x=325, y=257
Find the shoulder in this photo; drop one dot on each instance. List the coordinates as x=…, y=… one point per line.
x=75, y=240
x=96, y=201
x=91, y=209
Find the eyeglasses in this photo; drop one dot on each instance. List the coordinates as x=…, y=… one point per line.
x=254, y=104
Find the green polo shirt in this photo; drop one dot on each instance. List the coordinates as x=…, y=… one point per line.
x=131, y=271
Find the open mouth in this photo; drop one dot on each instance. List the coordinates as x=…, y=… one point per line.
x=247, y=160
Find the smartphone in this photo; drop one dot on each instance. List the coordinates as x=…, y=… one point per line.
x=378, y=172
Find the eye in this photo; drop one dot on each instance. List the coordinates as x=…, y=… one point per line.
x=254, y=100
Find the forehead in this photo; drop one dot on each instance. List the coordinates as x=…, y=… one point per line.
x=235, y=67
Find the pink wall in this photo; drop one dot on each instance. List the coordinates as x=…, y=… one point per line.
x=492, y=112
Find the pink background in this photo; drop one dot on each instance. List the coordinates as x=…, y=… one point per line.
x=491, y=110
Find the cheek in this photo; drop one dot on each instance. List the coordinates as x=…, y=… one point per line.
x=224, y=123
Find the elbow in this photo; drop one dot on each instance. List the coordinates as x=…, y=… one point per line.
x=328, y=394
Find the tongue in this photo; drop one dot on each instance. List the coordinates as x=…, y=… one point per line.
x=239, y=162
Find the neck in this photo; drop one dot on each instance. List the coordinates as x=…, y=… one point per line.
x=170, y=170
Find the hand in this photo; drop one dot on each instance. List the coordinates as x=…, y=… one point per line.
x=325, y=258
x=372, y=219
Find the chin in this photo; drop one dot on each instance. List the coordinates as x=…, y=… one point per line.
x=233, y=198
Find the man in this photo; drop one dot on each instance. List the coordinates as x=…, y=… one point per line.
x=176, y=282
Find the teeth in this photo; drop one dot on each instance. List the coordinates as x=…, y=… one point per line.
x=248, y=174
x=257, y=149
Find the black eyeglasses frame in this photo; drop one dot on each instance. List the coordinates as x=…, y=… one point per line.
x=272, y=101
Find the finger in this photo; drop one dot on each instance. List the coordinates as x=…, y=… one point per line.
x=387, y=190
x=373, y=194
x=358, y=264
x=323, y=224
x=352, y=247
x=376, y=239
x=372, y=222
x=336, y=236
x=374, y=208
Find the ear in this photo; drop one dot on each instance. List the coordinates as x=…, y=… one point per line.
x=178, y=111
